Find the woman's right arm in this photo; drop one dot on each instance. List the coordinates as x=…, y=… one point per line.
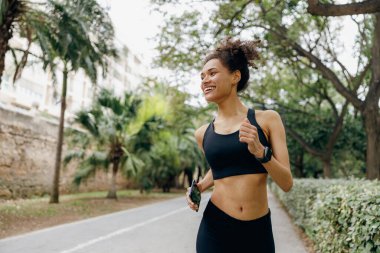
x=207, y=181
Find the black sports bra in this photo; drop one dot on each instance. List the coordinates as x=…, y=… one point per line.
x=227, y=156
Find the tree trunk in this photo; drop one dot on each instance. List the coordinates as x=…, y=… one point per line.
x=6, y=34
x=372, y=128
x=299, y=165
x=54, y=198
x=327, y=167
x=184, y=179
x=112, y=191
x=371, y=112
x=4, y=38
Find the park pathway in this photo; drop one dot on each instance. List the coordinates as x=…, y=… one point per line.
x=168, y=226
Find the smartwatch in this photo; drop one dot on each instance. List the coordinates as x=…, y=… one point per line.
x=267, y=155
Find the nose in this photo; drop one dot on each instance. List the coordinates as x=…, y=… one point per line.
x=205, y=80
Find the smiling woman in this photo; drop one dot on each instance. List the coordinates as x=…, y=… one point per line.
x=238, y=145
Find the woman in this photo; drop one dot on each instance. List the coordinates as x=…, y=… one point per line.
x=242, y=146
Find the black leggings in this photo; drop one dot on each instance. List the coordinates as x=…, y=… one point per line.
x=219, y=233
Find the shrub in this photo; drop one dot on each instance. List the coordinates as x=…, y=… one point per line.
x=338, y=215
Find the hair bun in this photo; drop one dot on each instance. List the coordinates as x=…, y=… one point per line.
x=237, y=47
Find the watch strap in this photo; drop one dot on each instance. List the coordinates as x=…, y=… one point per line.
x=267, y=155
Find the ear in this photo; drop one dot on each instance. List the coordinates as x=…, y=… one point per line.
x=236, y=76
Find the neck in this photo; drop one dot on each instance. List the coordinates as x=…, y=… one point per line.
x=232, y=107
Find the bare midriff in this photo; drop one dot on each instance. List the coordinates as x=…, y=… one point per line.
x=243, y=197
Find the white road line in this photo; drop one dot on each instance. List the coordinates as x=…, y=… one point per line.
x=121, y=231
x=75, y=223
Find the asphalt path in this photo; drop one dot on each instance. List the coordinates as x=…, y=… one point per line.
x=168, y=226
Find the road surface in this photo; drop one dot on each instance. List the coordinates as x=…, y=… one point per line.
x=168, y=226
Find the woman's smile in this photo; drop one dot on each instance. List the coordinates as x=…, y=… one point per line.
x=209, y=89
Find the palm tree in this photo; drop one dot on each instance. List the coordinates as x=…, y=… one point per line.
x=80, y=34
x=26, y=19
x=106, y=140
x=117, y=132
x=71, y=34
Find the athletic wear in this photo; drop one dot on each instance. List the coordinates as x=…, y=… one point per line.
x=221, y=233
x=227, y=156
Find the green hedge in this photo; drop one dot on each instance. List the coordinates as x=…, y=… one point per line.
x=338, y=215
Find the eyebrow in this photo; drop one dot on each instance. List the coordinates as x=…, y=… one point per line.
x=208, y=70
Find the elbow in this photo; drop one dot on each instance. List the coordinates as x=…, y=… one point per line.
x=288, y=187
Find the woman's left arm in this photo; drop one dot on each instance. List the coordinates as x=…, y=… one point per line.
x=279, y=166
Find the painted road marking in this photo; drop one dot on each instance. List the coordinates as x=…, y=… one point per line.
x=121, y=231
x=75, y=223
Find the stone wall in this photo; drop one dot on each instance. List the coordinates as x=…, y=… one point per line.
x=27, y=154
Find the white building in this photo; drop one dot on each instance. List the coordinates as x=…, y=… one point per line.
x=35, y=91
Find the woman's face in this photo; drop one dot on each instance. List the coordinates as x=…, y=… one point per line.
x=217, y=81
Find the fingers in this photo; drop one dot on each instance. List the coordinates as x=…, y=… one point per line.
x=247, y=129
x=189, y=202
x=246, y=126
x=250, y=137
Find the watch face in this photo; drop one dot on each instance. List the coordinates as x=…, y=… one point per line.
x=267, y=154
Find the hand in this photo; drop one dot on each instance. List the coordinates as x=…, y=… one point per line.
x=190, y=203
x=248, y=134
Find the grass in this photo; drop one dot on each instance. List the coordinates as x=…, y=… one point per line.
x=25, y=215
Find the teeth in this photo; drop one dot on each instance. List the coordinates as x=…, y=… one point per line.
x=209, y=89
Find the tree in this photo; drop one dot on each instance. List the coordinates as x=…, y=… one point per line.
x=26, y=18
x=168, y=146
x=369, y=107
x=80, y=36
x=290, y=38
x=112, y=125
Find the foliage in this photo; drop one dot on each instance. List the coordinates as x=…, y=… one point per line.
x=346, y=210
x=74, y=38
x=105, y=139
x=168, y=147
x=77, y=32
x=286, y=81
x=150, y=134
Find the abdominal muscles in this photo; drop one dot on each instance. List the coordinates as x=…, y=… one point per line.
x=243, y=197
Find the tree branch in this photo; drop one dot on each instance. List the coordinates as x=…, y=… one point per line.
x=237, y=13
x=359, y=78
x=337, y=127
x=330, y=101
x=323, y=69
x=319, y=9
x=303, y=143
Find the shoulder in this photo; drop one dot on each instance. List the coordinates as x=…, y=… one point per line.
x=199, y=133
x=271, y=115
x=270, y=119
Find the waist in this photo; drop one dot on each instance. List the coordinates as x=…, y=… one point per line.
x=233, y=225
x=242, y=197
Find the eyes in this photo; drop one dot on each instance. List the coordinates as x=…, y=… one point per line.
x=212, y=73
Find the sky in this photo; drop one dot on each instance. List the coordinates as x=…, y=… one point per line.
x=136, y=25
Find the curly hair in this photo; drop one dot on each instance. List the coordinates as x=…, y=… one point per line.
x=236, y=55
